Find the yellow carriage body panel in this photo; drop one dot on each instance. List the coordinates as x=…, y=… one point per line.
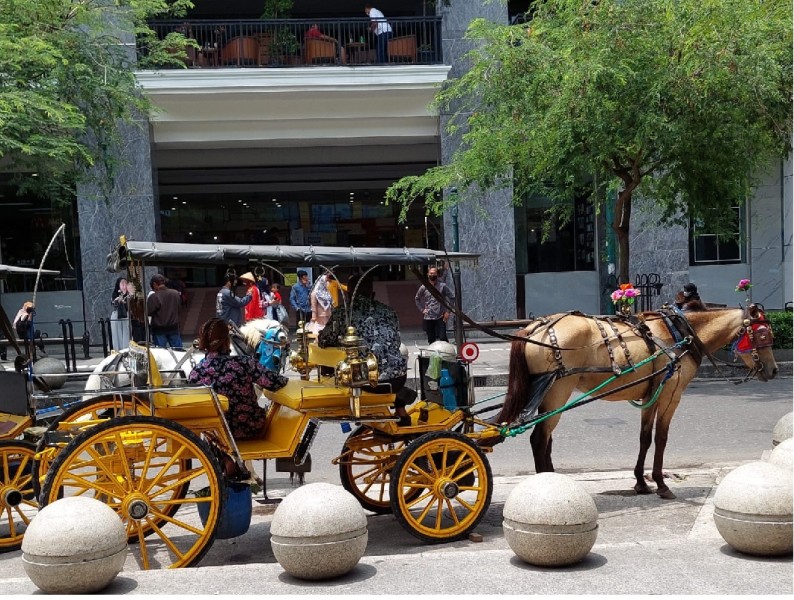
x=13, y=425
x=313, y=396
x=325, y=357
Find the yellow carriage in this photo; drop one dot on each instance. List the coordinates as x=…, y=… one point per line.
x=164, y=459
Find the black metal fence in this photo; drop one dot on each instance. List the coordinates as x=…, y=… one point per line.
x=303, y=42
x=649, y=284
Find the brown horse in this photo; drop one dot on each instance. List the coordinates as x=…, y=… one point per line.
x=573, y=351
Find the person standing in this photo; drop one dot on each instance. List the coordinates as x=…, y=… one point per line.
x=228, y=306
x=277, y=311
x=299, y=298
x=253, y=310
x=120, y=332
x=337, y=289
x=382, y=30
x=163, y=307
x=322, y=302
x=434, y=315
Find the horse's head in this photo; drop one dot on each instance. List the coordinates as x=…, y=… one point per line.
x=753, y=343
x=253, y=332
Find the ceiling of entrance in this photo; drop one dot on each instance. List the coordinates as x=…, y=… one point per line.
x=294, y=117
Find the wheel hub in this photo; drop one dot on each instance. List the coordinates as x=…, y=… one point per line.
x=449, y=489
x=136, y=507
x=11, y=497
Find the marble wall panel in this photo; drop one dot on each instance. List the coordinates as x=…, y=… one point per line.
x=485, y=224
x=131, y=210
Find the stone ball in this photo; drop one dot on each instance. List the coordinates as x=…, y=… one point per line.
x=753, y=509
x=319, y=531
x=783, y=455
x=404, y=350
x=550, y=520
x=75, y=545
x=782, y=430
x=446, y=350
x=55, y=370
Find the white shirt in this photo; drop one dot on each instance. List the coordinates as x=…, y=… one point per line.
x=378, y=17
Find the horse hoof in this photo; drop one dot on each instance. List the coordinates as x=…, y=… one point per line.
x=666, y=494
x=642, y=489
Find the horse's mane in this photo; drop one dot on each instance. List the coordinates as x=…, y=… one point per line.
x=252, y=331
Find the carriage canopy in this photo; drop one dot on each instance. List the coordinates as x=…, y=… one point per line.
x=157, y=253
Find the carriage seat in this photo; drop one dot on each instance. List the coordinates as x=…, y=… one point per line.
x=301, y=395
x=177, y=402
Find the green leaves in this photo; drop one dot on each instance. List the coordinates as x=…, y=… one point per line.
x=67, y=86
x=684, y=101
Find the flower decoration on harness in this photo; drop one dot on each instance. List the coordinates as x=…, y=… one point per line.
x=623, y=298
x=744, y=285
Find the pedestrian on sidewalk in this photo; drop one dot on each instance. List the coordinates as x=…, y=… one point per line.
x=163, y=307
x=228, y=306
x=253, y=310
x=299, y=298
x=434, y=315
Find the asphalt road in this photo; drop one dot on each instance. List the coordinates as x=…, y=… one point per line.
x=716, y=422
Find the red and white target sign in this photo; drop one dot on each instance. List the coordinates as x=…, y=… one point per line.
x=469, y=352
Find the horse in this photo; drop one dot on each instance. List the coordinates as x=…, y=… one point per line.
x=176, y=363
x=656, y=355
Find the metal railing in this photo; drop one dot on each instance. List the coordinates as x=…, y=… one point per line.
x=303, y=42
x=649, y=284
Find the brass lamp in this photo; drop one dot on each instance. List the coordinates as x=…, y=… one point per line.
x=358, y=369
x=299, y=358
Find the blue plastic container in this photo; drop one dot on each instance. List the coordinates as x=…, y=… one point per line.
x=236, y=515
x=447, y=385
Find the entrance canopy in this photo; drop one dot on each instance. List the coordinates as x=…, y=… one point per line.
x=6, y=270
x=165, y=253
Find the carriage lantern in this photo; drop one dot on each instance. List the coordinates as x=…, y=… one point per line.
x=299, y=359
x=360, y=367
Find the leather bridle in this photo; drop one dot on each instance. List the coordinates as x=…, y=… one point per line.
x=757, y=330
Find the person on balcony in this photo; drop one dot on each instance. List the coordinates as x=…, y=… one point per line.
x=381, y=29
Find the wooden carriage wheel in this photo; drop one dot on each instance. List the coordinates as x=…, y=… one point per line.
x=17, y=501
x=134, y=464
x=455, y=484
x=365, y=467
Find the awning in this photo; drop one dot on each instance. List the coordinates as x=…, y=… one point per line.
x=6, y=270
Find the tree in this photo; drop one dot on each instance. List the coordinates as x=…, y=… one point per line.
x=682, y=101
x=67, y=86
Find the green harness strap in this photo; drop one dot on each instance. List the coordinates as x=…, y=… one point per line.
x=512, y=432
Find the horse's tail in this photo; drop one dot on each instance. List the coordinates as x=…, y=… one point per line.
x=518, y=381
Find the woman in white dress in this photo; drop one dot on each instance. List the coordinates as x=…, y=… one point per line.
x=119, y=328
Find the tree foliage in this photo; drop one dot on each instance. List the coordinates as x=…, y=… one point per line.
x=683, y=101
x=67, y=85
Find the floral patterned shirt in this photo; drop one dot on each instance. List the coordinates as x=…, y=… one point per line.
x=234, y=377
x=379, y=328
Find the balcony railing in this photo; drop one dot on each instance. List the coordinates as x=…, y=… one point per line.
x=294, y=42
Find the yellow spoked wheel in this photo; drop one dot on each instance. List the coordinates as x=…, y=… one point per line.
x=135, y=464
x=17, y=501
x=455, y=485
x=80, y=416
x=365, y=467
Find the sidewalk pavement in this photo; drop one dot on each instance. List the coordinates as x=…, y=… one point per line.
x=645, y=545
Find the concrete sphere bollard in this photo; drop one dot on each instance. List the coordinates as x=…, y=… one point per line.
x=75, y=545
x=55, y=370
x=550, y=520
x=319, y=531
x=752, y=509
x=446, y=350
x=783, y=456
x=782, y=430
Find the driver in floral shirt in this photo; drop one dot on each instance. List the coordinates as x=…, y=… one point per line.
x=234, y=377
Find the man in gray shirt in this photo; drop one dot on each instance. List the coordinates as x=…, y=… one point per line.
x=434, y=315
x=228, y=306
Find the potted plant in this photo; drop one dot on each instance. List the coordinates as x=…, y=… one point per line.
x=282, y=43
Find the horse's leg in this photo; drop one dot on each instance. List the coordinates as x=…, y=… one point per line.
x=646, y=434
x=663, y=417
x=540, y=439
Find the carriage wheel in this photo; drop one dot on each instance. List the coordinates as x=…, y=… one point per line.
x=134, y=464
x=89, y=412
x=17, y=500
x=366, y=466
x=455, y=481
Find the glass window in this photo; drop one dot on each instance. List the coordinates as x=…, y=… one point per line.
x=706, y=248
x=568, y=247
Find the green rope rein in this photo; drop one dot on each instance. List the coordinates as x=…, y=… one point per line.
x=512, y=432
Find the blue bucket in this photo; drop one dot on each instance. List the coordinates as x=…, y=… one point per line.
x=236, y=515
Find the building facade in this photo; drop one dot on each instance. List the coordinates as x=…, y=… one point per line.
x=280, y=138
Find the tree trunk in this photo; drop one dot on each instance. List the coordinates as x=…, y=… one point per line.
x=621, y=227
